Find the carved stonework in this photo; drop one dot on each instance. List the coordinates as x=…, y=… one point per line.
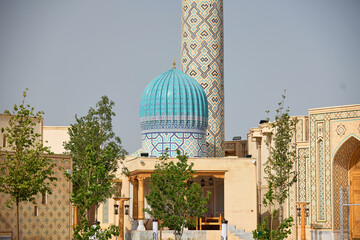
x=320, y=128
x=341, y=130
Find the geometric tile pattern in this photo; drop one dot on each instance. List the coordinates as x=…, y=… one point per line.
x=190, y=143
x=320, y=182
x=299, y=130
x=341, y=167
x=54, y=217
x=306, y=129
x=303, y=171
x=202, y=58
x=341, y=130
x=106, y=211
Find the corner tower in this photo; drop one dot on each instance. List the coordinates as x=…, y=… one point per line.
x=202, y=57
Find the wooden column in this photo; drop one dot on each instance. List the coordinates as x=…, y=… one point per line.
x=121, y=216
x=135, y=198
x=302, y=205
x=141, y=197
x=75, y=216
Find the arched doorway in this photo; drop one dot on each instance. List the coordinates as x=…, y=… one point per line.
x=341, y=177
x=354, y=178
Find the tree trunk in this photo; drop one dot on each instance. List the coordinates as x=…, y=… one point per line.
x=271, y=221
x=280, y=209
x=92, y=214
x=17, y=219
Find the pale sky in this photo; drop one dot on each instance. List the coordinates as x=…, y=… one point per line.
x=70, y=52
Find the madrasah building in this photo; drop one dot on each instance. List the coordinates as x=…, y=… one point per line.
x=183, y=109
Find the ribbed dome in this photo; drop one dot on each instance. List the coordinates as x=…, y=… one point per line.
x=173, y=100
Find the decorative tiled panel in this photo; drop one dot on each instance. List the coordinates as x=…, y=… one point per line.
x=106, y=211
x=191, y=144
x=319, y=128
x=292, y=211
x=303, y=178
x=157, y=123
x=54, y=217
x=299, y=130
x=202, y=57
x=321, y=182
x=306, y=129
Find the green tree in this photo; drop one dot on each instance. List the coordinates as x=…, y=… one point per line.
x=171, y=199
x=93, y=183
x=95, y=151
x=26, y=169
x=279, y=171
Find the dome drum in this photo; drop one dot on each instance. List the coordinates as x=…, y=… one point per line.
x=191, y=144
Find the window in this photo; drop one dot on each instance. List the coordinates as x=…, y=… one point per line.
x=36, y=211
x=44, y=198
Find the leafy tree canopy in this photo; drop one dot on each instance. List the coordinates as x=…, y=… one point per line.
x=96, y=152
x=279, y=168
x=26, y=169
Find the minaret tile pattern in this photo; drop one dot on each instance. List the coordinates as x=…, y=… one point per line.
x=202, y=57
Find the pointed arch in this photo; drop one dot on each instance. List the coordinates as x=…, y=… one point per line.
x=341, y=162
x=352, y=135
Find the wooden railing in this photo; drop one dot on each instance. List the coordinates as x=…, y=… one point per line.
x=210, y=221
x=207, y=221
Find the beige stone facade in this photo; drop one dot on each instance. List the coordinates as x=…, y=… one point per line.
x=54, y=137
x=50, y=218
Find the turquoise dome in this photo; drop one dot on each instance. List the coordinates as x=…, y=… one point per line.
x=173, y=100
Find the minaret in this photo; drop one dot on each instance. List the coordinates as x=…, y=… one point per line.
x=202, y=57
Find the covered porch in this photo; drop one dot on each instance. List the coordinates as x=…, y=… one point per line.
x=233, y=186
x=210, y=181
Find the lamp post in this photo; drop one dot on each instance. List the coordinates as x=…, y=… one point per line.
x=155, y=229
x=116, y=209
x=224, y=229
x=302, y=208
x=202, y=182
x=121, y=215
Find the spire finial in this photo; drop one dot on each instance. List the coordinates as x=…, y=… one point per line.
x=174, y=64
